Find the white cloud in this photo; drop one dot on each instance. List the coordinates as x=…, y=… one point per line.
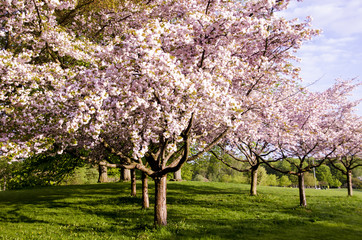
x=337, y=52
x=340, y=17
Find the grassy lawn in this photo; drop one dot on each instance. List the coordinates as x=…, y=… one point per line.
x=195, y=211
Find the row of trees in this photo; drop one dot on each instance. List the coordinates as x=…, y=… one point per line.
x=209, y=168
x=54, y=171
x=139, y=83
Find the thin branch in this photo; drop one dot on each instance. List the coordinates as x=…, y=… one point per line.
x=232, y=155
x=210, y=146
x=129, y=163
x=108, y=23
x=39, y=17
x=229, y=165
x=207, y=7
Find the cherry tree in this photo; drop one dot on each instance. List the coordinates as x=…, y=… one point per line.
x=309, y=129
x=253, y=141
x=142, y=81
x=249, y=146
x=349, y=153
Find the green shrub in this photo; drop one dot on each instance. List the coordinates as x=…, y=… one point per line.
x=200, y=178
x=284, y=181
x=269, y=180
x=357, y=183
x=41, y=170
x=82, y=175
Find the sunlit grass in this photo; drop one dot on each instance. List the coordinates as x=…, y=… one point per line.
x=195, y=211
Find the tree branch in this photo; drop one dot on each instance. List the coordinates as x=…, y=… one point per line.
x=229, y=165
x=210, y=146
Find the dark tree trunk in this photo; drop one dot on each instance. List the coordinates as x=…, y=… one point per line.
x=349, y=183
x=125, y=175
x=160, y=217
x=133, y=182
x=254, y=181
x=103, y=177
x=177, y=175
x=302, y=198
x=145, y=198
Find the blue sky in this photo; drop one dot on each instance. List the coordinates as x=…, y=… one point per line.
x=337, y=52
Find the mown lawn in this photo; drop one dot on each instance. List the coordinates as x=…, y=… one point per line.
x=195, y=211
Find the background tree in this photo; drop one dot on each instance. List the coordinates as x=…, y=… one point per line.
x=310, y=130
x=39, y=170
x=349, y=156
x=325, y=177
x=103, y=176
x=247, y=155
x=284, y=181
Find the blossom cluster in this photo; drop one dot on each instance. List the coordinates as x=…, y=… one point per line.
x=137, y=74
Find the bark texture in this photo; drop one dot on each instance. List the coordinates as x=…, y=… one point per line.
x=254, y=181
x=145, y=198
x=103, y=176
x=125, y=175
x=133, y=183
x=160, y=201
x=302, y=197
x=349, y=183
x=177, y=175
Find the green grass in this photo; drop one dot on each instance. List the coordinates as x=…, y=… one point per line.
x=195, y=211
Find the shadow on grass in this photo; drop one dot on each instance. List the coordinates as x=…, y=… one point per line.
x=195, y=211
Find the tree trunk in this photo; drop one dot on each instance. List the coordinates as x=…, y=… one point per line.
x=302, y=198
x=125, y=175
x=254, y=181
x=160, y=217
x=133, y=182
x=349, y=183
x=145, y=198
x=103, y=177
x=177, y=175
x=4, y=186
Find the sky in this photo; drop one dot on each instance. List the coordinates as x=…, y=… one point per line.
x=337, y=51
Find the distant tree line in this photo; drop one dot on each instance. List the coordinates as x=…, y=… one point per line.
x=63, y=170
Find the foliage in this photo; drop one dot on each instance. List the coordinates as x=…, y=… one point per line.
x=210, y=168
x=200, y=178
x=142, y=79
x=81, y=175
x=338, y=175
x=187, y=172
x=309, y=180
x=42, y=170
x=357, y=183
x=284, y=181
x=198, y=211
x=145, y=80
x=325, y=178
x=6, y=172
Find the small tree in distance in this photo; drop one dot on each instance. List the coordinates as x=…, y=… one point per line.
x=350, y=151
x=309, y=130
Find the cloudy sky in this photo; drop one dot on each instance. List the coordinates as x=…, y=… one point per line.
x=337, y=52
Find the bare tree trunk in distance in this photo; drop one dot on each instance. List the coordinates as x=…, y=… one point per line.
x=349, y=183
x=302, y=197
x=103, y=176
x=133, y=182
x=177, y=175
x=254, y=181
x=160, y=216
x=125, y=175
x=145, y=198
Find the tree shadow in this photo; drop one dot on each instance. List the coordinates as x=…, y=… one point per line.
x=191, y=211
